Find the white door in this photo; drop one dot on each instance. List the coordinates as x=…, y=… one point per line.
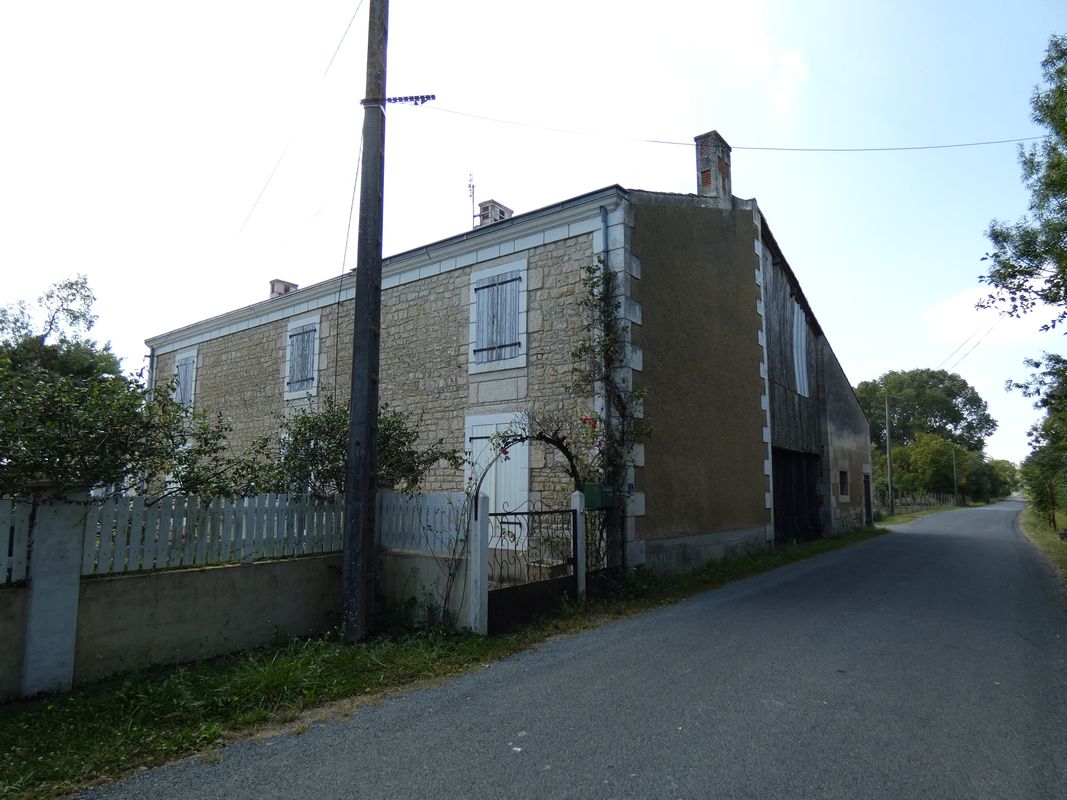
x=507, y=481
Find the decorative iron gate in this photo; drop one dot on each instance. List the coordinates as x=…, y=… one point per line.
x=532, y=562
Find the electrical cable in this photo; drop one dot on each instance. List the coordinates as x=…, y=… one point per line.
x=344, y=262
x=264, y=189
x=964, y=342
x=984, y=336
x=343, y=35
x=742, y=147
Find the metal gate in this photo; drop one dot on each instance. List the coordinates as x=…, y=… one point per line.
x=532, y=560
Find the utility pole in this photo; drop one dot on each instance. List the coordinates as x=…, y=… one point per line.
x=889, y=459
x=955, y=483
x=361, y=484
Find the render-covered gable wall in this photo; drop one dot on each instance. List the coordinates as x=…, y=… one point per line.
x=700, y=334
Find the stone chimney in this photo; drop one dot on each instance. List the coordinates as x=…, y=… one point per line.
x=279, y=287
x=490, y=211
x=713, y=168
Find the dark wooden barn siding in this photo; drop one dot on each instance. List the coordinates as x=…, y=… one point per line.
x=794, y=418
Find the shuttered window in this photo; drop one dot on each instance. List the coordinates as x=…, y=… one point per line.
x=800, y=350
x=185, y=375
x=497, y=317
x=301, y=358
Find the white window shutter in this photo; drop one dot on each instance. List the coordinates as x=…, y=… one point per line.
x=184, y=371
x=302, y=358
x=497, y=317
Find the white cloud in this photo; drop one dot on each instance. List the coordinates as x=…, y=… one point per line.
x=786, y=80
x=956, y=321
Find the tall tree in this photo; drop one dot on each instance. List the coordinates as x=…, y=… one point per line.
x=926, y=401
x=1028, y=265
x=69, y=417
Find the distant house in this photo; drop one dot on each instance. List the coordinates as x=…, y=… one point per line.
x=758, y=435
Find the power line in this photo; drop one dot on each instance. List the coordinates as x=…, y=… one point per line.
x=981, y=325
x=984, y=336
x=264, y=189
x=892, y=149
x=573, y=132
x=344, y=263
x=343, y=35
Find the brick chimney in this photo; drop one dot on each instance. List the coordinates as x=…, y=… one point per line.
x=713, y=168
x=279, y=287
x=490, y=211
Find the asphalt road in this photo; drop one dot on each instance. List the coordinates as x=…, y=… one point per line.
x=927, y=663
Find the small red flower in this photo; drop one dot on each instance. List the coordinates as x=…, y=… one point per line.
x=503, y=452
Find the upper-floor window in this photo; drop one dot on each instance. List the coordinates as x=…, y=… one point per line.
x=185, y=376
x=842, y=484
x=498, y=317
x=301, y=360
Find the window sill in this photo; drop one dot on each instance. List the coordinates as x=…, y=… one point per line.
x=303, y=394
x=517, y=362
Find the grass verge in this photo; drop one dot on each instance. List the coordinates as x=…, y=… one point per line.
x=1048, y=540
x=54, y=745
x=911, y=516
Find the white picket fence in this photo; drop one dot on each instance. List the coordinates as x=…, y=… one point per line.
x=134, y=534
x=424, y=522
x=130, y=534
x=14, y=537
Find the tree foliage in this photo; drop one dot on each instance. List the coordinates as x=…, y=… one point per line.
x=68, y=416
x=926, y=401
x=310, y=453
x=1028, y=264
x=1044, y=473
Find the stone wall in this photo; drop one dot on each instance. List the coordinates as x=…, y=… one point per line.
x=849, y=443
x=425, y=329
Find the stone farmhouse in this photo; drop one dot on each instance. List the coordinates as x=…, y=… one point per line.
x=757, y=433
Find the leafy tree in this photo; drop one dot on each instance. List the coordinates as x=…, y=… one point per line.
x=1028, y=265
x=1047, y=386
x=1007, y=476
x=311, y=451
x=1044, y=474
x=926, y=401
x=926, y=465
x=69, y=417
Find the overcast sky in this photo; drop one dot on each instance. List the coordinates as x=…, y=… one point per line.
x=137, y=138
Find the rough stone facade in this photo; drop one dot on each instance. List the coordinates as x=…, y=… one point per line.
x=706, y=332
x=424, y=367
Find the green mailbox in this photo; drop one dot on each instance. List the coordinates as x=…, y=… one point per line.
x=599, y=495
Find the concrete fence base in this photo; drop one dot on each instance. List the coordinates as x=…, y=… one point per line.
x=63, y=627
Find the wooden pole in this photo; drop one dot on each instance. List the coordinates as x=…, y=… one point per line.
x=361, y=483
x=889, y=459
